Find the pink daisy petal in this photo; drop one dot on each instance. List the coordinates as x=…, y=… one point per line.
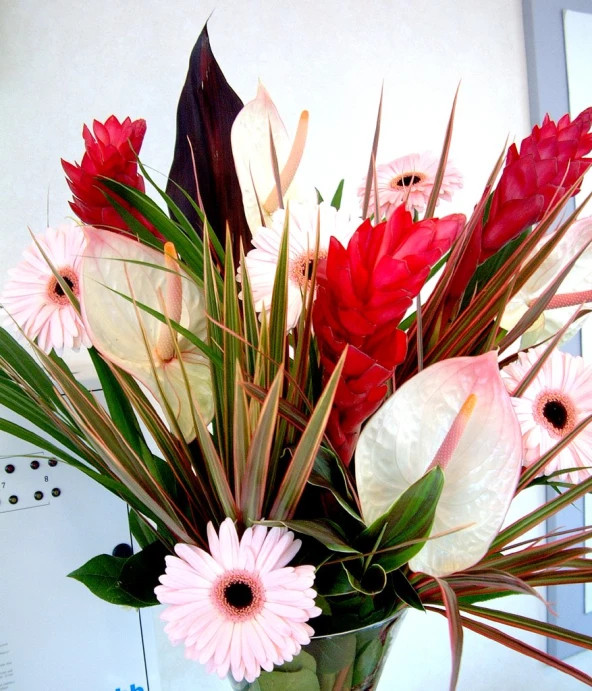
x=557, y=399
x=34, y=299
x=261, y=261
x=239, y=608
x=409, y=180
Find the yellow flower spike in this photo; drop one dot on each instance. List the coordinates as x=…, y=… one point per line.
x=165, y=345
x=272, y=203
x=452, y=438
x=251, y=148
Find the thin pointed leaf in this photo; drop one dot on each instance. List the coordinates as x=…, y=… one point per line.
x=455, y=629
x=433, y=200
x=302, y=462
x=337, y=197
x=254, y=486
x=370, y=174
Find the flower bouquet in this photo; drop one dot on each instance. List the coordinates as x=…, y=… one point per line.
x=309, y=444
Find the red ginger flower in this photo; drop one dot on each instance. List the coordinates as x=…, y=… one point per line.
x=110, y=153
x=363, y=293
x=550, y=161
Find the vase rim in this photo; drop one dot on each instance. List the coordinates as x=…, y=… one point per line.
x=397, y=615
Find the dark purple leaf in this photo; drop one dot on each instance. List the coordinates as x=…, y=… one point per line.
x=207, y=108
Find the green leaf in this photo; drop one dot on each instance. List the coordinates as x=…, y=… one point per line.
x=332, y=580
x=455, y=629
x=329, y=473
x=255, y=479
x=325, y=531
x=302, y=680
x=120, y=409
x=367, y=661
x=101, y=575
x=371, y=582
x=334, y=653
x=18, y=359
x=405, y=591
x=279, y=304
x=191, y=249
x=410, y=518
x=302, y=463
x=336, y=201
x=140, y=573
x=143, y=533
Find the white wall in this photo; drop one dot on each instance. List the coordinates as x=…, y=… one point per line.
x=67, y=62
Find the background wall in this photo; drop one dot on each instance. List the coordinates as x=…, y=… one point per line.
x=68, y=62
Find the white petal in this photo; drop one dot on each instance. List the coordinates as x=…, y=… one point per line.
x=400, y=441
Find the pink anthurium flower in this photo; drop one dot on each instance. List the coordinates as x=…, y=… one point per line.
x=456, y=414
x=251, y=148
x=134, y=340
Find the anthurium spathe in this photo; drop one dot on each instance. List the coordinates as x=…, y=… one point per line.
x=125, y=334
x=455, y=414
x=254, y=127
x=575, y=289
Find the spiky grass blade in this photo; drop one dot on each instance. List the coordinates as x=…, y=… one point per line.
x=439, y=177
x=302, y=462
x=254, y=486
x=373, y=153
x=455, y=630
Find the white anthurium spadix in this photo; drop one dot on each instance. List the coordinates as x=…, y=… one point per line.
x=458, y=415
x=139, y=343
x=253, y=158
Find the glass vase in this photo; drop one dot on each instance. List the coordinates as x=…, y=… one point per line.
x=349, y=661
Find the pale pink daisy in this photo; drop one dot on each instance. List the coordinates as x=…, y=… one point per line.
x=35, y=300
x=261, y=262
x=239, y=608
x=409, y=180
x=557, y=399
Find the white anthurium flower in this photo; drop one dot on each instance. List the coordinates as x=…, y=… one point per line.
x=575, y=289
x=458, y=415
x=132, y=339
x=251, y=148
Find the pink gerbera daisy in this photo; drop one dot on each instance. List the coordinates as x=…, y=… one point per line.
x=261, y=262
x=409, y=180
x=239, y=608
x=557, y=399
x=35, y=300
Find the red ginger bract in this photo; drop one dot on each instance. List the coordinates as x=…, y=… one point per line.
x=550, y=161
x=533, y=180
x=363, y=293
x=110, y=153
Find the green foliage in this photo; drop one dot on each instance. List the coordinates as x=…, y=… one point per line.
x=124, y=581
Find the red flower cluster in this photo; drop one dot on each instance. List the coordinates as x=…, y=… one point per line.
x=363, y=293
x=110, y=153
x=550, y=161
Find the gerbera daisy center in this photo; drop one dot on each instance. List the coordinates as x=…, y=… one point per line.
x=555, y=411
x=56, y=293
x=302, y=267
x=239, y=595
x=407, y=179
